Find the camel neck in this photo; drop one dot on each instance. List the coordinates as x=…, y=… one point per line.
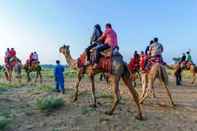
x=71, y=62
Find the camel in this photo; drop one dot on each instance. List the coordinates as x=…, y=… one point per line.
x=119, y=70
x=179, y=68
x=16, y=67
x=35, y=67
x=157, y=71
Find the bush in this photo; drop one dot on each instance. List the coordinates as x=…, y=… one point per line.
x=4, y=121
x=49, y=103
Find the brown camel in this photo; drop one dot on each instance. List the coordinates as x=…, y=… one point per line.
x=15, y=66
x=192, y=68
x=156, y=71
x=34, y=67
x=119, y=70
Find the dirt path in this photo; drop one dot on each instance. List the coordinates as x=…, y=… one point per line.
x=20, y=102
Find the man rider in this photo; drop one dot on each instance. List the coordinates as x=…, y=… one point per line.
x=155, y=53
x=148, y=47
x=35, y=56
x=7, y=56
x=183, y=58
x=110, y=41
x=189, y=57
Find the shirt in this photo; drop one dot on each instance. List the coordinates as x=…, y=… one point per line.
x=35, y=56
x=156, y=49
x=109, y=37
x=189, y=57
x=59, y=72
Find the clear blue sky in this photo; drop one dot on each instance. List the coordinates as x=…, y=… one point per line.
x=44, y=25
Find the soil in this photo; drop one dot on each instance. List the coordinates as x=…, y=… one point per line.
x=79, y=116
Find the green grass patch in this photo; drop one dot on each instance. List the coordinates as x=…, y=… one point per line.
x=70, y=73
x=9, y=85
x=5, y=120
x=49, y=103
x=46, y=88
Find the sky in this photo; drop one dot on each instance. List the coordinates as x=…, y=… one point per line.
x=45, y=25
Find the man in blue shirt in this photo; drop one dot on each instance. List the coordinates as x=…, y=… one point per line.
x=59, y=77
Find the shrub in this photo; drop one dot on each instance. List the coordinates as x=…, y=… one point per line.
x=49, y=103
x=4, y=121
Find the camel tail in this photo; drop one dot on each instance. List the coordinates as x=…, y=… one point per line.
x=163, y=75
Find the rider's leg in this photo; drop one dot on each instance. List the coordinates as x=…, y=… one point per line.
x=99, y=49
x=88, y=50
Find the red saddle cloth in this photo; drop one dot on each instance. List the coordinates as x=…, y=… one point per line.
x=147, y=63
x=133, y=65
x=105, y=63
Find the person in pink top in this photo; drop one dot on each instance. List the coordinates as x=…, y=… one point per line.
x=110, y=41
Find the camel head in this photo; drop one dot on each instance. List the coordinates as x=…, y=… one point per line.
x=65, y=49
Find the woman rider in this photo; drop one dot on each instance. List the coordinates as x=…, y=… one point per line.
x=95, y=35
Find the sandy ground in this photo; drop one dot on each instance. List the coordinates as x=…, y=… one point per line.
x=79, y=116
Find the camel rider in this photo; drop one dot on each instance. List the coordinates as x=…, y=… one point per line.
x=110, y=41
x=142, y=60
x=189, y=58
x=134, y=62
x=183, y=58
x=95, y=35
x=155, y=54
x=7, y=56
x=12, y=52
x=147, y=48
x=35, y=57
x=156, y=49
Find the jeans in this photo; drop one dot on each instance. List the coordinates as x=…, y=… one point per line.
x=88, y=50
x=99, y=48
x=59, y=85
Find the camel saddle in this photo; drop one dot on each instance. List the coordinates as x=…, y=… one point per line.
x=105, y=61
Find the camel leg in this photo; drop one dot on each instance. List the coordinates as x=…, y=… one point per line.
x=6, y=75
x=153, y=92
x=36, y=77
x=135, y=96
x=77, y=87
x=28, y=76
x=116, y=94
x=148, y=90
x=144, y=85
x=40, y=75
x=93, y=91
x=169, y=94
x=194, y=77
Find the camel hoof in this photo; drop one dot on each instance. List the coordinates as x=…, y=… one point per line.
x=139, y=117
x=93, y=105
x=173, y=105
x=109, y=113
x=75, y=99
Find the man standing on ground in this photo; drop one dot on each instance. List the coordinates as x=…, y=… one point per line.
x=59, y=77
